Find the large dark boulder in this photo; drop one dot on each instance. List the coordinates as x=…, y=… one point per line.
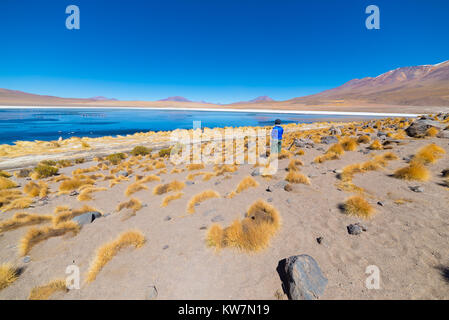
x=302, y=277
x=418, y=129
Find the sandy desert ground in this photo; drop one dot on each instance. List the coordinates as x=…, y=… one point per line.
x=407, y=237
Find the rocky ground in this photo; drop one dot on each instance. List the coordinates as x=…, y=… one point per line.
x=406, y=238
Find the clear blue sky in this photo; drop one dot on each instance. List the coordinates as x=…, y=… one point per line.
x=214, y=50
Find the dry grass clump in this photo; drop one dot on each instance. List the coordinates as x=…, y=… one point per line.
x=80, y=171
x=191, y=176
x=359, y=207
x=117, y=180
x=432, y=132
x=296, y=177
x=200, y=197
x=19, y=203
x=222, y=169
x=336, y=148
x=109, y=250
x=149, y=178
x=116, y=158
x=414, y=171
x=63, y=163
x=7, y=196
x=21, y=219
x=364, y=139
x=5, y=174
x=133, y=204
x=164, y=152
x=429, y=154
x=246, y=183
x=36, y=235
x=134, y=187
x=74, y=183
x=44, y=171
x=195, y=166
x=140, y=150
x=44, y=292
x=5, y=183
x=86, y=192
x=252, y=233
x=168, y=187
x=376, y=145
x=292, y=165
x=349, y=144
x=64, y=213
x=159, y=165
x=8, y=274
x=170, y=198
x=333, y=153
x=34, y=189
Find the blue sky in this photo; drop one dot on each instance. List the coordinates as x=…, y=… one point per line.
x=214, y=50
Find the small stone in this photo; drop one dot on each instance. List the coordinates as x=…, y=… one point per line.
x=189, y=183
x=268, y=189
x=380, y=203
x=288, y=201
x=217, y=218
x=26, y=259
x=217, y=183
x=281, y=184
x=288, y=187
x=87, y=217
x=203, y=228
x=256, y=172
x=167, y=218
x=319, y=240
x=354, y=229
x=123, y=173
x=74, y=193
x=270, y=200
x=165, y=247
x=152, y=293
x=417, y=189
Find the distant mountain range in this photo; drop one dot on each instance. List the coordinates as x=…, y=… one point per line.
x=426, y=85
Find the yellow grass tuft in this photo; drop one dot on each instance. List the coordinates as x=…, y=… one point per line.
x=414, y=171
x=86, y=192
x=149, y=178
x=170, y=198
x=432, y=132
x=44, y=292
x=36, y=235
x=200, y=197
x=133, y=204
x=336, y=148
x=19, y=203
x=246, y=183
x=364, y=139
x=253, y=233
x=110, y=250
x=297, y=177
x=376, y=145
x=8, y=274
x=195, y=166
x=20, y=219
x=292, y=165
x=429, y=154
x=134, y=187
x=34, y=189
x=5, y=174
x=74, y=183
x=349, y=144
x=5, y=183
x=359, y=207
x=168, y=187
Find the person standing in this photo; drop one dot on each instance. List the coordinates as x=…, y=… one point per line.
x=276, y=137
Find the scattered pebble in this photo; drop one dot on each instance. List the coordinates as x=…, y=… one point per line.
x=26, y=259
x=74, y=193
x=270, y=200
x=165, y=247
x=189, y=183
x=167, y=218
x=380, y=203
x=417, y=189
x=288, y=187
x=217, y=218
x=152, y=293
x=356, y=228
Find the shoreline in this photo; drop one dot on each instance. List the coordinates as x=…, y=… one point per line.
x=305, y=112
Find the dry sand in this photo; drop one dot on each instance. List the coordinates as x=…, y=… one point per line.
x=408, y=242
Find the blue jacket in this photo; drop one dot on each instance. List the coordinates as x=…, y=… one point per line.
x=277, y=132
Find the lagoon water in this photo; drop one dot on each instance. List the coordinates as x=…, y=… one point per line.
x=51, y=123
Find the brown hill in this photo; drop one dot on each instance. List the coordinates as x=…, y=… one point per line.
x=426, y=85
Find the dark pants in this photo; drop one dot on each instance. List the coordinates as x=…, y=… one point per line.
x=276, y=146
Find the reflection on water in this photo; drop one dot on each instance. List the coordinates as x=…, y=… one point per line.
x=50, y=124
